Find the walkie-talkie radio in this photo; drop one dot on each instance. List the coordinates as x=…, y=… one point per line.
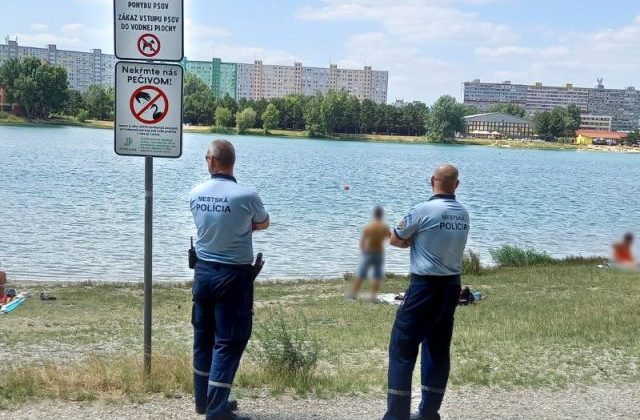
x=193, y=257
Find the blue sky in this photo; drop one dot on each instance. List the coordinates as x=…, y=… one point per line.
x=429, y=46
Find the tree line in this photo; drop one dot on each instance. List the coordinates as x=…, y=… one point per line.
x=42, y=89
x=321, y=114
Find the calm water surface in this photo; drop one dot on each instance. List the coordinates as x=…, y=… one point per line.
x=71, y=209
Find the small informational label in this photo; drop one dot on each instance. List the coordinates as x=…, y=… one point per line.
x=149, y=30
x=148, y=109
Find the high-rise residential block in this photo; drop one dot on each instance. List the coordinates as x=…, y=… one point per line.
x=237, y=80
x=83, y=68
x=267, y=81
x=598, y=105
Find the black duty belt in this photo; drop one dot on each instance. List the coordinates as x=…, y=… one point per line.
x=218, y=265
x=452, y=279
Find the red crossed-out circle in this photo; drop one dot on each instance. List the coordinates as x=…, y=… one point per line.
x=154, y=96
x=148, y=45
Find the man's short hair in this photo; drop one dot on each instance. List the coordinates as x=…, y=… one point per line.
x=223, y=152
x=378, y=212
x=628, y=237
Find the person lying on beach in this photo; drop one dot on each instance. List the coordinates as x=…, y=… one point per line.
x=468, y=297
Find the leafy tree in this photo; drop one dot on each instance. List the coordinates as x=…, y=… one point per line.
x=224, y=117
x=542, y=123
x=245, y=119
x=352, y=114
x=367, y=116
x=198, y=102
x=229, y=103
x=315, y=123
x=74, y=103
x=558, y=122
x=508, y=108
x=100, y=102
x=259, y=107
x=574, y=119
x=413, y=118
x=83, y=115
x=37, y=86
x=633, y=138
x=291, y=109
x=445, y=118
x=333, y=110
x=270, y=118
x=469, y=109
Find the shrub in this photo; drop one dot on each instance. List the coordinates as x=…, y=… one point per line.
x=285, y=349
x=514, y=256
x=83, y=115
x=471, y=264
x=245, y=119
x=224, y=117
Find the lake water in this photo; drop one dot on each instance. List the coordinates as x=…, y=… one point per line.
x=70, y=209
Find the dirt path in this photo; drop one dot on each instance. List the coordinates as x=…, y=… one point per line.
x=590, y=403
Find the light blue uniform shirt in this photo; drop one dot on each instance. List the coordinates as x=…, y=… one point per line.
x=224, y=213
x=438, y=229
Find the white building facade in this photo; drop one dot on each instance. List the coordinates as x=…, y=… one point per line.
x=83, y=68
x=263, y=81
x=248, y=81
x=622, y=106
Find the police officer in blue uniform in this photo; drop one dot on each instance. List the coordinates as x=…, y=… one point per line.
x=225, y=214
x=436, y=231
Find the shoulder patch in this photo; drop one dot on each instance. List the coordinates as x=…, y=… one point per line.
x=405, y=222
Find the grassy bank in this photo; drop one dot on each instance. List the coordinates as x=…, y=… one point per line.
x=542, y=326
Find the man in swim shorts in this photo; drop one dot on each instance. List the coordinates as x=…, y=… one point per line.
x=374, y=236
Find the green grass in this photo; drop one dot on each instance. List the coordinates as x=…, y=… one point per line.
x=515, y=256
x=471, y=264
x=541, y=326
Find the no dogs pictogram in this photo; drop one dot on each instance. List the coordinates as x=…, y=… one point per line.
x=149, y=45
x=149, y=105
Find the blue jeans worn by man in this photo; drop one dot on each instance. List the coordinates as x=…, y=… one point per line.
x=222, y=322
x=425, y=317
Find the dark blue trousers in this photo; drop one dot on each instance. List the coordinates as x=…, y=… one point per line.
x=222, y=321
x=425, y=317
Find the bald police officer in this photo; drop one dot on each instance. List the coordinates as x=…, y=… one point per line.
x=436, y=231
x=226, y=214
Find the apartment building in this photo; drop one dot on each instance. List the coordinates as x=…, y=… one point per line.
x=267, y=81
x=622, y=106
x=83, y=68
x=595, y=122
x=218, y=75
x=237, y=80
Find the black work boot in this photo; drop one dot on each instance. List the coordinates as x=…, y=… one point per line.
x=420, y=416
x=230, y=416
x=232, y=405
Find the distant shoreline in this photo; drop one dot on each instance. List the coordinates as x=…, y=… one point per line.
x=372, y=138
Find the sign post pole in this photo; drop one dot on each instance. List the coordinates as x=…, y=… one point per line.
x=148, y=117
x=148, y=242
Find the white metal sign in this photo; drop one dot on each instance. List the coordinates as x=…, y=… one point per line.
x=148, y=109
x=149, y=30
